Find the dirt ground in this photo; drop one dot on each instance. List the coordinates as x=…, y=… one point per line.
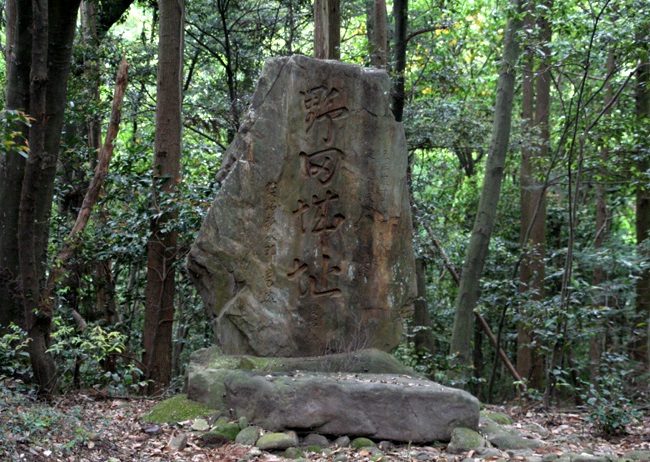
x=111, y=430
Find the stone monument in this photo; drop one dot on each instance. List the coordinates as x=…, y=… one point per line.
x=306, y=267
x=306, y=249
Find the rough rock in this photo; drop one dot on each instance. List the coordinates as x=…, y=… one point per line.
x=307, y=249
x=314, y=439
x=498, y=417
x=178, y=442
x=208, y=369
x=637, y=455
x=226, y=428
x=293, y=453
x=463, y=440
x=248, y=436
x=213, y=439
x=278, y=441
x=176, y=409
x=200, y=425
x=506, y=438
x=362, y=442
x=376, y=406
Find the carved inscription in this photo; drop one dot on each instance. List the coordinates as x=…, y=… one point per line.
x=322, y=285
x=321, y=165
x=319, y=216
x=324, y=104
x=322, y=214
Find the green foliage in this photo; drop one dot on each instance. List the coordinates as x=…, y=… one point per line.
x=80, y=355
x=12, y=125
x=611, y=408
x=33, y=423
x=14, y=359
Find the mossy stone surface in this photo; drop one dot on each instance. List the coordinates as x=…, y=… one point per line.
x=176, y=409
x=358, y=443
x=293, y=453
x=498, y=417
x=226, y=428
x=463, y=440
x=277, y=441
x=248, y=436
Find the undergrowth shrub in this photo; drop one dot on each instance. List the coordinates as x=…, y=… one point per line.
x=14, y=359
x=86, y=358
x=27, y=422
x=609, y=402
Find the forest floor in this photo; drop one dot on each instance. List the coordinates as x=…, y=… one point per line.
x=87, y=426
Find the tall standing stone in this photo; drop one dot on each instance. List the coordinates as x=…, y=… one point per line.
x=307, y=249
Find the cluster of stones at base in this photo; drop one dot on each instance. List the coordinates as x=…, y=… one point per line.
x=497, y=441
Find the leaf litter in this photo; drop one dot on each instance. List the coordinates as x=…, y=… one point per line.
x=89, y=427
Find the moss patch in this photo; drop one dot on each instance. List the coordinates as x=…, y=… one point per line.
x=176, y=409
x=498, y=417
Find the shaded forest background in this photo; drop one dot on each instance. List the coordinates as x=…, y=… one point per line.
x=565, y=287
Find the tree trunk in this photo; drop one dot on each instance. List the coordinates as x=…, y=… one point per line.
x=379, y=56
x=422, y=335
x=62, y=28
x=400, y=12
x=641, y=337
x=477, y=249
x=599, y=273
x=162, y=249
x=73, y=240
x=535, y=111
x=38, y=322
x=327, y=29
x=37, y=77
x=12, y=164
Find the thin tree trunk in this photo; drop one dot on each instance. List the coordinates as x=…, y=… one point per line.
x=479, y=318
x=101, y=172
x=379, y=56
x=400, y=12
x=327, y=29
x=162, y=248
x=477, y=249
x=641, y=337
x=422, y=336
x=62, y=28
x=535, y=111
x=12, y=164
x=599, y=273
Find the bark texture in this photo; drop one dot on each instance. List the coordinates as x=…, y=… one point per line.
x=400, y=13
x=469, y=289
x=162, y=248
x=535, y=112
x=38, y=321
x=641, y=337
x=12, y=164
x=327, y=29
x=379, y=56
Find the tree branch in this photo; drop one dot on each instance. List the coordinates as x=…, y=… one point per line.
x=101, y=171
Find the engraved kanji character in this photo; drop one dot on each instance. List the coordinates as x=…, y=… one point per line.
x=322, y=104
x=299, y=267
x=321, y=165
x=322, y=287
x=322, y=220
x=300, y=212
